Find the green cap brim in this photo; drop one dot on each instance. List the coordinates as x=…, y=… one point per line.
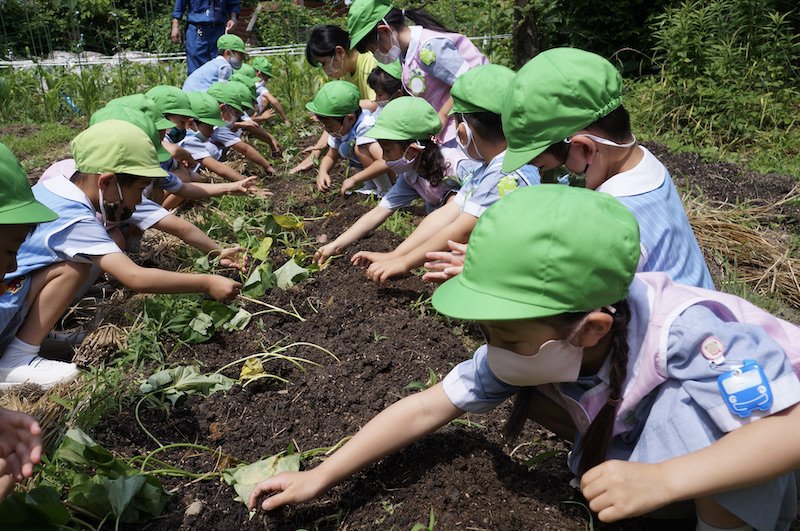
x=515, y=159
x=457, y=300
x=460, y=106
x=152, y=172
x=32, y=212
x=180, y=111
x=313, y=108
x=163, y=124
x=359, y=35
x=211, y=121
x=162, y=154
x=382, y=133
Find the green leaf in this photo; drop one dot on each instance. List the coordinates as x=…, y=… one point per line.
x=239, y=321
x=220, y=313
x=40, y=509
x=259, y=281
x=121, y=491
x=202, y=264
x=244, y=477
x=290, y=273
x=288, y=221
x=238, y=224
x=262, y=253
x=180, y=381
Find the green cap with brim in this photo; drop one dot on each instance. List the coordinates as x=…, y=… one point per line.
x=242, y=93
x=335, y=99
x=481, y=89
x=18, y=206
x=262, y=64
x=248, y=82
x=224, y=94
x=555, y=95
x=363, y=16
x=137, y=118
x=171, y=100
x=230, y=42
x=394, y=69
x=205, y=107
x=145, y=104
x=406, y=118
x=116, y=146
x=543, y=251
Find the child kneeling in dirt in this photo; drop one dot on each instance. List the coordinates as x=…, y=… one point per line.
x=336, y=106
x=670, y=392
x=477, y=102
x=385, y=80
x=405, y=129
x=264, y=98
x=115, y=161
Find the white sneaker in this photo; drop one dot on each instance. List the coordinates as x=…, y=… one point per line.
x=40, y=371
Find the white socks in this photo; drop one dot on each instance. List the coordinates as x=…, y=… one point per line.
x=18, y=353
x=703, y=526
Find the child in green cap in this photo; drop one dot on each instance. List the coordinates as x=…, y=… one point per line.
x=386, y=81
x=670, y=392
x=405, y=129
x=432, y=56
x=115, y=161
x=328, y=47
x=264, y=97
x=231, y=56
x=565, y=108
x=336, y=107
x=478, y=102
x=20, y=213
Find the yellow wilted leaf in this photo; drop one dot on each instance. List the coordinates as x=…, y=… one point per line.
x=288, y=221
x=252, y=368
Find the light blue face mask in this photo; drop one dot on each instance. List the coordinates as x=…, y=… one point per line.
x=235, y=62
x=402, y=164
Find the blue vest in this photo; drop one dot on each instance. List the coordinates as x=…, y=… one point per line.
x=35, y=253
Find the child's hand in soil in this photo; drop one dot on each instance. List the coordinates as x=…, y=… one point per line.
x=347, y=185
x=323, y=182
x=20, y=445
x=365, y=258
x=233, y=257
x=248, y=186
x=288, y=487
x=445, y=264
x=325, y=252
x=380, y=272
x=623, y=489
x=222, y=289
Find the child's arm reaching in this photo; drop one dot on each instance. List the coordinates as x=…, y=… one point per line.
x=458, y=231
x=397, y=426
x=371, y=156
x=444, y=264
x=192, y=235
x=325, y=165
x=366, y=223
x=222, y=169
x=752, y=454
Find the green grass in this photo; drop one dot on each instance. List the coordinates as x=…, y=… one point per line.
x=42, y=144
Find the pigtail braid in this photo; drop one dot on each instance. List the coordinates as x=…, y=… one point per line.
x=431, y=164
x=598, y=437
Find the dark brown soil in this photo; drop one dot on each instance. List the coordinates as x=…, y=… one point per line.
x=385, y=338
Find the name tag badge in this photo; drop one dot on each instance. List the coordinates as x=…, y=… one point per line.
x=745, y=389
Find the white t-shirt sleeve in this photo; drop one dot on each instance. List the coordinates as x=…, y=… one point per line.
x=81, y=240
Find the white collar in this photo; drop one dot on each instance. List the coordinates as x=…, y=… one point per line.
x=414, y=41
x=645, y=177
x=62, y=186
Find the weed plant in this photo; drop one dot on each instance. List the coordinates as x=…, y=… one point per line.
x=728, y=84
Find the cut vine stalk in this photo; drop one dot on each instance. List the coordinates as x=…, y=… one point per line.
x=273, y=308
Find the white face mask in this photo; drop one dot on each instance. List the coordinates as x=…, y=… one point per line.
x=332, y=70
x=402, y=164
x=113, y=213
x=394, y=52
x=557, y=360
x=235, y=62
x=464, y=146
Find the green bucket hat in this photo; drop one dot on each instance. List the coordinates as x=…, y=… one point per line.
x=17, y=204
x=242, y=93
x=248, y=82
x=142, y=103
x=116, y=146
x=230, y=42
x=336, y=99
x=137, y=118
x=542, y=251
x=262, y=64
x=171, y=100
x=394, y=69
x=206, y=107
x=556, y=94
x=481, y=89
x=363, y=16
x=406, y=118
x=225, y=94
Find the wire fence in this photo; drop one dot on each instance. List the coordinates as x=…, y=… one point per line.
x=91, y=58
